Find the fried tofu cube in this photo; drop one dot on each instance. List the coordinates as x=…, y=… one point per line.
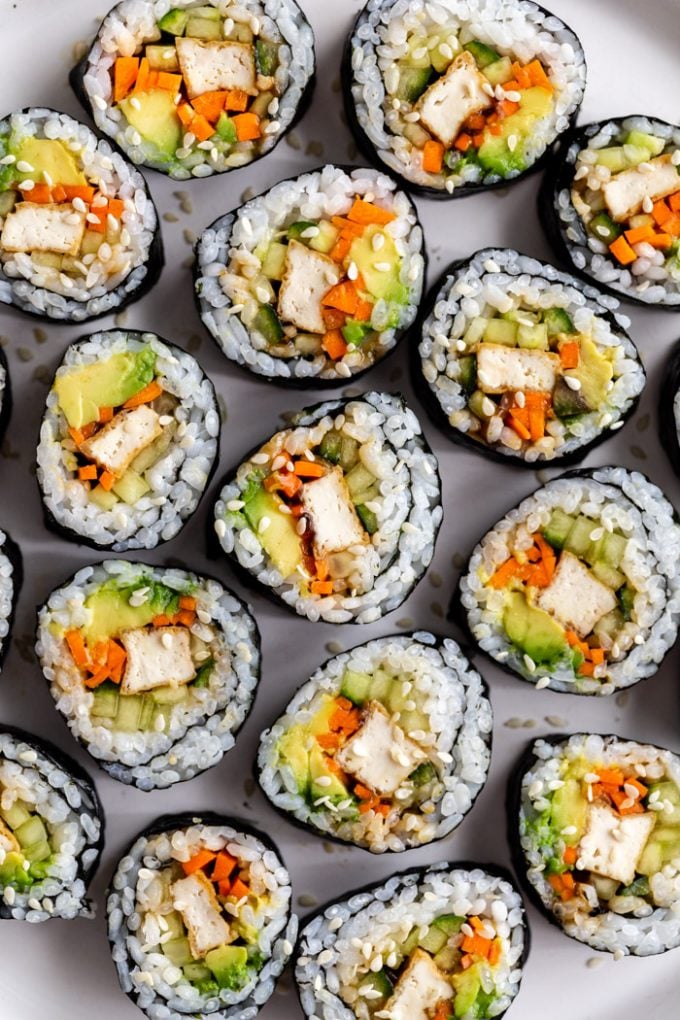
x=307, y=278
x=446, y=105
x=379, y=754
x=335, y=523
x=625, y=192
x=501, y=369
x=419, y=990
x=575, y=597
x=49, y=228
x=216, y=66
x=8, y=841
x=128, y=433
x=613, y=844
x=194, y=897
x=156, y=658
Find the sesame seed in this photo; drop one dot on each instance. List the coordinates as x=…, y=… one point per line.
x=91, y=218
x=512, y=142
x=529, y=663
x=220, y=528
x=382, y=267
x=264, y=524
x=135, y=103
x=352, y=271
x=26, y=185
x=542, y=682
x=596, y=534
x=24, y=167
x=647, y=204
x=8, y=159
x=572, y=382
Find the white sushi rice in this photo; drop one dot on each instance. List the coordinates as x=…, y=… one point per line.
x=7, y=593
x=200, y=730
x=460, y=723
x=41, y=289
x=501, y=279
x=409, y=511
x=652, y=929
x=132, y=23
x=335, y=945
x=515, y=27
x=144, y=974
x=70, y=813
x=648, y=279
x=321, y=194
x=177, y=480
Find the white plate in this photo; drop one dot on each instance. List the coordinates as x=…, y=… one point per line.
x=62, y=970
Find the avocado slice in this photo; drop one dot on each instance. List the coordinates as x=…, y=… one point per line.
x=229, y=966
x=292, y=751
x=318, y=768
x=495, y=155
x=380, y=285
x=569, y=809
x=279, y=540
x=82, y=392
x=594, y=372
x=111, y=613
x=154, y=116
x=49, y=156
x=533, y=631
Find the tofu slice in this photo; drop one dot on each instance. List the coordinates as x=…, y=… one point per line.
x=194, y=897
x=335, y=523
x=613, y=843
x=308, y=277
x=379, y=754
x=625, y=192
x=156, y=658
x=501, y=368
x=128, y=433
x=457, y=95
x=8, y=841
x=50, y=227
x=214, y=66
x=575, y=597
x=419, y=989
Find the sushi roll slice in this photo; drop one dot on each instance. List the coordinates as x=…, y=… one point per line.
x=594, y=823
x=669, y=409
x=79, y=233
x=610, y=204
x=199, y=88
x=51, y=831
x=314, y=281
x=128, y=441
x=199, y=918
x=441, y=941
x=421, y=713
x=578, y=588
x=458, y=98
x=154, y=669
x=5, y=394
x=335, y=516
x=11, y=578
x=523, y=363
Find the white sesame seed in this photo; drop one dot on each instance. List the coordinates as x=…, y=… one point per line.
x=572, y=382
x=24, y=168
x=99, y=102
x=352, y=271
x=512, y=142
x=529, y=663
x=542, y=682
x=26, y=185
x=264, y=524
x=220, y=528
x=8, y=159
x=647, y=204
x=91, y=218
x=382, y=267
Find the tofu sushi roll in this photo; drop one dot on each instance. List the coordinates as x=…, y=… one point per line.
x=454, y=98
x=577, y=588
x=669, y=409
x=594, y=822
x=523, y=363
x=199, y=919
x=314, y=281
x=11, y=577
x=386, y=746
x=154, y=669
x=335, y=516
x=51, y=831
x=128, y=441
x=79, y=233
x=201, y=87
x=444, y=941
x=5, y=394
x=610, y=204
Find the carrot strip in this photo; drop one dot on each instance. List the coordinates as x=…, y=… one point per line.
x=210, y=104
x=433, y=157
x=144, y=396
x=161, y=620
x=570, y=855
x=367, y=212
x=611, y=777
x=83, y=191
x=674, y=201
x=495, y=952
x=199, y=861
x=185, y=113
x=223, y=888
x=347, y=226
x=363, y=310
x=143, y=76
x=522, y=431
x=321, y=587
x=329, y=741
x=185, y=618
x=223, y=867
x=537, y=75
x=202, y=128
x=342, y=296
x=661, y=212
x=40, y=194
x=308, y=469
x=340, y=249
x=125, y=71
x=98, y=677
x=504, y=574
x=87, y=473
x=334, y=344
x=570, y=354
x=76, y=646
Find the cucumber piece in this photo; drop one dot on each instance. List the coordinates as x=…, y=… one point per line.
x=349, y=453
x=266, y=57
x=204, y=673
x=379, y=983
x=449, y=923
x=178, y=952
x=37, y=852
x=31, y=832
x=499, y=71
x=162, y=58
x=196, y=972
x=381, y=685
x=604, y=887
x=613, y=157
x=500, y=331
x=325, y=239
x=15, y=815
x=174, y=22
x=424, y=774
x=433, y=940
x=447, y=959
x=477, y=404
x=105, y=703
x=274, y=262
x=533, y=337
x=467, y=373
x=356, y=332
x=367, y=518
x=131, y=487
x=557, y=528
x=169, y=695
x=604, y=229
x=211, y=13
x=269, y=325
x=330, y=447
x=669, y=795
x=356, y=686
x=260, y=105
x=154, y=451
x=207, y=29
x=129, y=713
x=102, y=498
x=558, y=321
x=226, y=128
x=644, y=141
x=147, y=713
x=579, y=540
x=8, y=200
x=609, y=625
x=412, y=83
x=626, y=597
x=482, y=53
x=613, y=548
x=241, y=33
x=610, y=576
x=410, y=942
x=358, y=479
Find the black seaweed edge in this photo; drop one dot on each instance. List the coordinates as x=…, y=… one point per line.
x=424, y=191
x=13, y=553
x=313, y=382
x=420, y=871
x=168, y=823
x=82, y=778
x=6, y=397
x=323, y=833
x=116, y=770
x=214, y=548
x=76, y=79
x=668, y=430
x=434, y=410
x=53, y=525
x=559, y=175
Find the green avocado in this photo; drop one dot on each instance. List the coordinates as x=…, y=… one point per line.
x=111, y=612
x=108, y=383
x=279, y=539
x=49, y=156
x=229, y=966
x=568, y=809
x=292, y=751
x=533, y=631
x=318, y=769
x=154, y=116
x=495, y=154
x=381, y=284
x=594, y=372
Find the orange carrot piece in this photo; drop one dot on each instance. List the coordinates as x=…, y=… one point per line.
x=342, y=296
x=334, y=344
x=433, y=157
x=505, y=573
x=187, y=602
x=145, y=395
x=638, y=234
x=76, y=646
x=597, y=656
x=105, y=414
x=107, y=480
x=495, y=952
x=322, y=571
x=161, y=620
x=674, y=201
x=508, y=107
x=210, y=104
x=185, y=618
x=309, y=469
x=466, y=961
x=476, y=944
x=185, y=113
x=198, y=862
x=622, y=251
x=247, y=127
x=83, y=191
x=570, y=855
x=239, y=889
x=611, y=777
x=329, y=741
x=169, y=82
x=97, y=677
x=202, y=128
x=333, y=318
x=367, y=212
x=125, y=71
x=321, y=587
x=223, y=867
x=340, y=249
x=515, y=423
x=362, y=792
x=143, y=76
x=40, y=194
x=672, y=226
x=661, y=212
x=58, y=193
x=537, y=75
x=223, y=888
x=347, y=226
x=570, y=354
x=87, y=473
x=236, y=100
x=660, y=240
x=463, y=142
x=522, y=76
x=363, y=310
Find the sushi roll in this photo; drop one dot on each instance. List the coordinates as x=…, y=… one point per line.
x=11, y=578
x=457, y=98
x=423, y=712
x=128, y=441
x=200, y=88
x=51, y=831
x=669, y=409
x=154, y=669
x=523, y=363
x=447, y=940
x=336, y=516
x=578, y=587
x=79, y=233
x=594, y=823
x=199, y=919
x=5, y=394
x=610, y=204
x=314, y=281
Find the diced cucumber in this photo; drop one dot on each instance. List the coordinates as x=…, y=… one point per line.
x=416, y=135
x=330, y=447
x=500, y=331
x=356, y=332
x=154, y=451
x=102, y=498
x=31, y=832
x=579, y=540
x=226, y=128
x=558, y=528
x=610, y=576
x=613, y=157
x=175, y=925
x=129, y=713
x=669, y=796
x=417, y=44
x=8, y=200
x=449, y=923
x=203, y=28
x=433, y=940
x=131, y=487
x=207, y=11
x=424, y=774
x=483, y=54
x=324, y=241
x=355, y=686
x=241, y=33
x=178, y=952
x=604, y=887
x=644, y=141
x=467, y=373
x=274, y=262
x=635, y=154
x=410, y=942
x=16, y=815
x=499, y=71
x=604, y=229
x=447, y=959
x=260, y=105
x=478, y=405
x=174, y=22
x=349, y=453
x=90, y=243
x=147, y=713
x=377, y=983
x=533, y=337
x=476, y=330
x=203, y=674
x=414, y=720
x=381, y=686
x=162, y=58
x=266, y=57
x=367, y=518
x=609, y=625
x=105, y=703
x=558, y=321
x=613, y=548
x=169, y=695
x=41, y=851
x=626, y=596
x=358, y=479
x=268, y=324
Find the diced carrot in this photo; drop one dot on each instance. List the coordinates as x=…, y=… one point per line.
x=508, y=107
x=224, y=888
x=495, y=128
x=98, y=222
x=504, y=574
x=362, y=792
x=333, y=318
x=329, y=741
x=539, y=576
x=169, y=82
x=466, y=961
x=568, y=880
x=340, y=249
x=640, y=787
x=247, y=127
x=495, y=952
x=87, y=473
x=365, y=806
x=622, y=251
x=210, y=104
x=82, y=191
x=475, y=123
x=98, y=677
x=343, y=296
x=478, y=140
x=40, y=194
x=161, y=620
x=518, y=426
x=443, y=1011
x=236, y=100
x=476, y=923
x=321, y=587
x=660, y=212
x=152, y=80
x=334, y=344
x=344, y=703
x=433, y=157
x=288, y=483
x=522, y=76
x=125, y=71
x=570, y=354
x=308, y=469
x=76, y=646
x=202, y=128
x=58, y=193
x=660, y=240
x=143, y=75
x=363, y=310
x=597, y=656
x=368, y=212
x=638, y=234
x=570, y=855
x=185, y=113
x=512, y=86
x=107, y=480
x=382, y=809
x=115, y=653
x=533, y=554
x=672, y=225
x=198, y=862
x=476, y=944
x=674, y=201
x=105, y=414
x=145, y=395
x=348, y=226
x=611, y=777
x=587, y=669
x=239, y=889
x=187, y=602
x=619, y=798
x=185, y=618
x=463, y=142
x=223, y=867
x=537, y=75
x=536, y=421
